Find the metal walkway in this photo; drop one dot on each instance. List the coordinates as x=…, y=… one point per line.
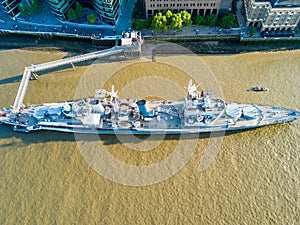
x=29, y=71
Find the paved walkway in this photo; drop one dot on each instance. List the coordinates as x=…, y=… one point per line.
x=193, y=30
x=46, y=22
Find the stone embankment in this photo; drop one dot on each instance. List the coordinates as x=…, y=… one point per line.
x=39, y=44
x=205, y=46
x=229, y=47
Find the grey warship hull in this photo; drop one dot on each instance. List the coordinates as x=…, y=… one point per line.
x=105, y=113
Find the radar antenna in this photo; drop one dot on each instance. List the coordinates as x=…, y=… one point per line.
x=192, y=90
x=113, y=93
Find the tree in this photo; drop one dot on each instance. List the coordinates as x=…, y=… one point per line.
x=36, y=6
x=71, y=14
x=163, y=20
x=92, y=18
x=77, y=13
x=78, y=10
x=252, y=31
x=25, y=9
x=211, y=20
x=176, y=21
x=159, y=22
x=168, y=14
x=140, y=24
x=198, y=19
x=227, y=21
x=186, y=18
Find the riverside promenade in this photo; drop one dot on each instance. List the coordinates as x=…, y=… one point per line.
x=45, y=26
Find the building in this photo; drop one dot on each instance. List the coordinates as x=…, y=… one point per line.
x=225, y=7
x=203, y=7
x=59, y=8
x=11, y=7
x=273, y=15
x=108, y=10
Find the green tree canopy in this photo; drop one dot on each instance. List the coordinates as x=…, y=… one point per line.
x=176, y=21
x=36, y=6
x=78, y=10
x=198, y=19
x=25, y=9
x=211, y=20
x=227, y=21
x=163, y=20
x=252, y=31
x=71, y=14
x=169, y=14
x=186, y=18
x=140, y=24
x=159, y=22
x=77, y=13
x=92, y=18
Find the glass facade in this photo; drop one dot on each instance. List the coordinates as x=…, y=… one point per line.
x=11, y=7
x=108, y=10
x=60, y=7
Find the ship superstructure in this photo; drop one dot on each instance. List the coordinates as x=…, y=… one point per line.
x=106, y=113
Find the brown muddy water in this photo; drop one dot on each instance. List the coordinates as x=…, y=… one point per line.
x=250, y=177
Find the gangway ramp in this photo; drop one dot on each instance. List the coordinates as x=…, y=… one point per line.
x=22, y=89
x=28, y=72
x=76, y=59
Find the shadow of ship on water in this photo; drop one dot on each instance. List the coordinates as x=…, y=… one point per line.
x=42, y=136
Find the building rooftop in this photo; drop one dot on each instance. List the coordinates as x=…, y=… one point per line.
x=288, y=3
x=282, y=3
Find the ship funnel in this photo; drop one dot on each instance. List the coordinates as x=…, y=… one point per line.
x=143, y=107
x=97, y=106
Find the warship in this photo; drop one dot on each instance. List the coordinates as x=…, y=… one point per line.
x=106, y=113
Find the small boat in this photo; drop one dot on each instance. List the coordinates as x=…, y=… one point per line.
x=260, y=88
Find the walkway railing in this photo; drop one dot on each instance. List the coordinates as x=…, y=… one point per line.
x=28, y=72
x=22, y=89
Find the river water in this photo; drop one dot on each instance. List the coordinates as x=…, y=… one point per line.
x=250, y=177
